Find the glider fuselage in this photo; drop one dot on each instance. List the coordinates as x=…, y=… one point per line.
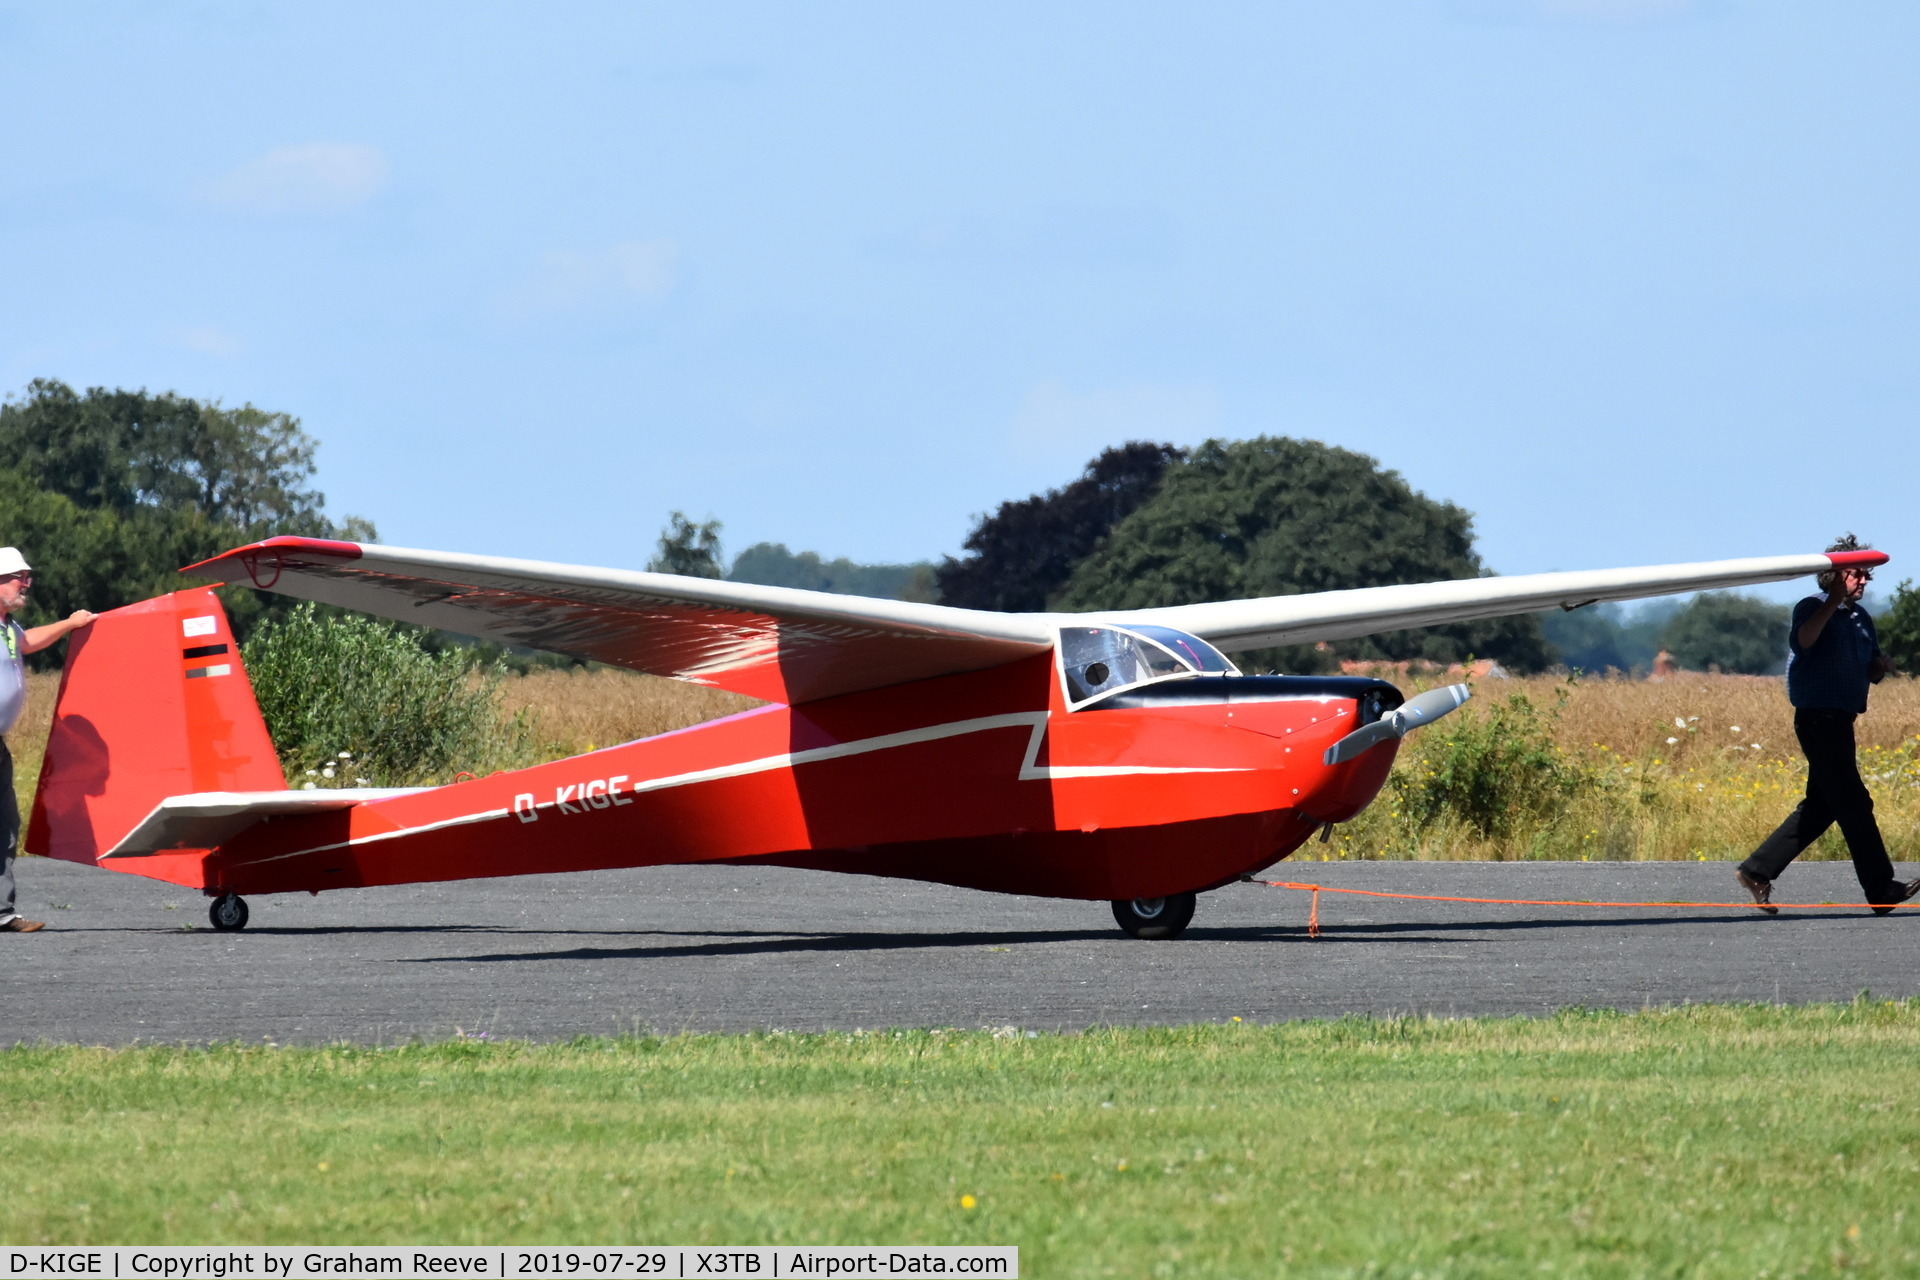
x=983, y=779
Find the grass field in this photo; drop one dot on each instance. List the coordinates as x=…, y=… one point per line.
x=1695, y=767
x=1705, y=1141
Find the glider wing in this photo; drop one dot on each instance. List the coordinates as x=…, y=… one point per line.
x=786, y=645
x=1233, y=625
x=775, y=643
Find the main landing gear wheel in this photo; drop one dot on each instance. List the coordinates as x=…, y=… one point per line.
x=228, y=913
x=1155, y=917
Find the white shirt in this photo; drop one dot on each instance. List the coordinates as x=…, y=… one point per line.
x=13, y=675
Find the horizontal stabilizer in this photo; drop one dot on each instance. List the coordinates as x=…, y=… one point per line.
x=209, y=818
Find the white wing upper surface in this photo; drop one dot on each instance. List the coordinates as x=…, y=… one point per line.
x=786, y=645
x=1233, y=625
x=774, y=643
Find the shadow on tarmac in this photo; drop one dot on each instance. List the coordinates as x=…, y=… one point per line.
x=781, y=942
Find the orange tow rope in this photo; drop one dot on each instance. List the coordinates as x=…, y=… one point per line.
x=1313, y=914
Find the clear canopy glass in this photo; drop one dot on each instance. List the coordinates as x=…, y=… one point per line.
x=1098, y=661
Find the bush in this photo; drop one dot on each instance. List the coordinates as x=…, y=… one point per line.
x=1495, y=772
x=352, y=701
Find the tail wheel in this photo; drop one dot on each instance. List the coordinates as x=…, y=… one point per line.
x=228, y=913
x=1156, y=918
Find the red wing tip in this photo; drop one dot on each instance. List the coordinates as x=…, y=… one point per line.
x=1848, y=559
x=284, y=543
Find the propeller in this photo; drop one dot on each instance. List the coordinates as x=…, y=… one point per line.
x=1421, y=709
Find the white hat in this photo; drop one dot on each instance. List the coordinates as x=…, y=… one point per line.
x=11, y=561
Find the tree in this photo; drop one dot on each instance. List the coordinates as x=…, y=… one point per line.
x=126, y=450
x=689, y=549
x=1024, y=553
x=1277, y=516
x=771, y=564
x=1899, y=628
x=1603, y=636
x=1730, y=632
x=111, y=492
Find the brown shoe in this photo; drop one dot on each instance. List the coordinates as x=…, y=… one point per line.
x=1902, y=889
x=1762, y=890
x=20, y=924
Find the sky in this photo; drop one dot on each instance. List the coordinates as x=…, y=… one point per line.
x=1633, y=281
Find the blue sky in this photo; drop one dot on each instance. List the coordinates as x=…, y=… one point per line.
x=1632, y=280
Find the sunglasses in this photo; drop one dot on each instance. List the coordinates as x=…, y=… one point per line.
x=25, y=578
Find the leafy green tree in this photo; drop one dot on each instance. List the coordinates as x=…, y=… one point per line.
x=1024, y=553
x=1899, y=628
x=109, y=492
x=689, y=549
x=771, y=564
x=126, y=450
x=1727, y=631
x=1277, y=516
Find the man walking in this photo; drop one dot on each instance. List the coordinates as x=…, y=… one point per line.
x=16, y=580
x=1834, y=654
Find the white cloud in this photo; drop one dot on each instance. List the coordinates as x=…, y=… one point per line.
x=315, y=176
x=566, y=280
x=1054, y=417
x=207, y=340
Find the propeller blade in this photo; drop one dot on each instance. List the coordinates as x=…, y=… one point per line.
x=1365, y=738
x=1427, y=707
x=1422, y=709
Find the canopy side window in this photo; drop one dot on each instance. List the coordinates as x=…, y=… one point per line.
x=1100, y=660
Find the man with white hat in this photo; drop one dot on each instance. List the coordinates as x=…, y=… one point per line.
x=16, y=580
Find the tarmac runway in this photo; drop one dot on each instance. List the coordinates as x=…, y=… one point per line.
x=727, y=949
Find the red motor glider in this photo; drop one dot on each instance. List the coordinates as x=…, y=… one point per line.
x=1115, y=756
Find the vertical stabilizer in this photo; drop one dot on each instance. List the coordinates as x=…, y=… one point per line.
x=153, y=703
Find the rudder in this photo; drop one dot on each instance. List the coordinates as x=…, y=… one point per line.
x=154, y=702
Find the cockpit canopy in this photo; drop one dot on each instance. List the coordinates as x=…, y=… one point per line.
x=1097, y=661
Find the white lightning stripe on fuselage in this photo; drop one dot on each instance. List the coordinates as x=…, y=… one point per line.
x=1035, y=721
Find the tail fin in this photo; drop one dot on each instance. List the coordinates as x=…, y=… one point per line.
x=153, y=703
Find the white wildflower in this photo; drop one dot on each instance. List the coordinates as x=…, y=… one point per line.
x=327, y=772
x=1671, y=741
x=1679, y=723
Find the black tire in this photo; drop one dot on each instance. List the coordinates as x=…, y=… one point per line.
x=228, y=913
x=1155, y=918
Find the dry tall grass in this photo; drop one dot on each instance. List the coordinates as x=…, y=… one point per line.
x=28, y=741
x=1695, y=767
x=579, y=710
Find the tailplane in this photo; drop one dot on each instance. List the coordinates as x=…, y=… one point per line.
x=154, y=702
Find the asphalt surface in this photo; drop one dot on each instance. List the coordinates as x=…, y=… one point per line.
x=719, y=948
